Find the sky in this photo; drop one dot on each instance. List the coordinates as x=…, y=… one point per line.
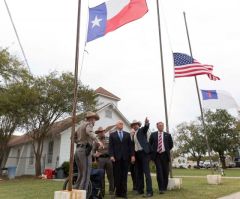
x=126, y=62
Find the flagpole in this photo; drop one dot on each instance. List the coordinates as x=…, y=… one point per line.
x=74, y=98
x=163, y=79
x=198, y=93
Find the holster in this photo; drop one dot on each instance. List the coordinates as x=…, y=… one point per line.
x=88, y=149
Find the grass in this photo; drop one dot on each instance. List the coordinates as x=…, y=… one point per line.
x=192, y=188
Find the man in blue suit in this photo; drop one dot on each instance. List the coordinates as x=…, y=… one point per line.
x=121, y=152
x=142, y=154
x=161, y=143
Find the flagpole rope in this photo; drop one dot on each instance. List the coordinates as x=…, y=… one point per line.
x=16, y=33
x=171, y=102
x=166, y=26
x=85, y=45
x=170, y=44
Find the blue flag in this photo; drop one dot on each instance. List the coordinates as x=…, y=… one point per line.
x=209, y=94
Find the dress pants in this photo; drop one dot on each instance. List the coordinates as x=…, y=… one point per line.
x=84, y=164
x=133, y=171
x=106, y=164
x=142, y=168
x=120, y=169
x=162, y=166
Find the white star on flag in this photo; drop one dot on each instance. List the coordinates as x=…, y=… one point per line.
x=96, y=22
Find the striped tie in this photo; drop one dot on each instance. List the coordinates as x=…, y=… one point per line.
x=159, y=150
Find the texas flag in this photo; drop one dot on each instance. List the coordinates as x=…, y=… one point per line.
x=113, y=14
x=218, y=99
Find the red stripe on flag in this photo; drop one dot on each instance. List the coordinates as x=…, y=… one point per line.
x=132, y=11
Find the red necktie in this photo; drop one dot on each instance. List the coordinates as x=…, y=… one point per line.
x=159, y=150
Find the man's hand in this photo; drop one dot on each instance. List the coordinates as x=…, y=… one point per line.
x=133, y=159
x=101, y=146
x=112, y=159
x=146, y=121
x=97, y=154
x=132, y=132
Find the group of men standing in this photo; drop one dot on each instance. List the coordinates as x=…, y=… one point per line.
x=122, y=150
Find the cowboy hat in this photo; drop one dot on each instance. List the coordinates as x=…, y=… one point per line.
x=90, y=114
x=135, y=122
x=100, y=129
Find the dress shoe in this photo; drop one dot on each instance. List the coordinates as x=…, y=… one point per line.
x=111, y=192
x=148, y=195
x=139, y=192
x=161, y=192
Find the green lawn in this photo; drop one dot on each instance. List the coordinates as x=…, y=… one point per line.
x=193, y=188
x=203, y=172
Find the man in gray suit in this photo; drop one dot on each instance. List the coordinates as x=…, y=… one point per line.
x=84, y=138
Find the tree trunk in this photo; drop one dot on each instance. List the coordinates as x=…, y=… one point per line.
x=222, y=159
x=38, y=169
x=3, y=157
x=198, y=161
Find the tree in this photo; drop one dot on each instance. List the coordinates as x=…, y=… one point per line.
x=222, y=133
x=11, y=69
x=54, y=102
x=190, y=140
x=14, y=98
x=14, y=105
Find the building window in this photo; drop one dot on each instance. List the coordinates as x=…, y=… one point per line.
x=50, y=152
x=108, y=113
x=31, y=158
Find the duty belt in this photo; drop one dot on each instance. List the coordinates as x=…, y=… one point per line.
x=81, y=145
x=104, y=156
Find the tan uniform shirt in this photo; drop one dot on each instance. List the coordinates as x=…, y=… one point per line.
x=85, y=133
x=105, y=142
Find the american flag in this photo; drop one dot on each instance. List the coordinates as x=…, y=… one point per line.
x=186, y=66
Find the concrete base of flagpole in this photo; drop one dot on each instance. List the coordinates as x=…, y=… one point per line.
x=214, y=179
x=74, y=194
x=174, y=183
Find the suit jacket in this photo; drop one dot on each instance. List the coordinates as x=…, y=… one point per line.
x=142, y=138
x=120, y=149
x=168, y=143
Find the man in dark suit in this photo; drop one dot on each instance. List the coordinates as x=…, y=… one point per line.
x=142, y=154
x=121, y=152
x=161, y=143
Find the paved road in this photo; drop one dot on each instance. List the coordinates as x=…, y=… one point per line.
x=232, y=196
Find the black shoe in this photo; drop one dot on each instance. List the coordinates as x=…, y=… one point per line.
x=161, y=192
x=148, y=195
x=140, y=193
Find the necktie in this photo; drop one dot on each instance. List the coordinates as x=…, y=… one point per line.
x=120, y=135
x=159, y=150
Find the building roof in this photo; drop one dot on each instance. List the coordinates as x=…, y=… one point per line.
x=105, y=93
x=60, y=126
x=117, y=111
x=56, y=129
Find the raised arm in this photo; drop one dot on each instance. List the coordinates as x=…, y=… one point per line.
x=146, y=126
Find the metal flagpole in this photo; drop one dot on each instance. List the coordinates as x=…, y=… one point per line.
x=163, y=79
x=74, y=98
x=199, y=99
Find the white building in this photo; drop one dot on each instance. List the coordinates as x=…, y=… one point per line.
x=56, y=148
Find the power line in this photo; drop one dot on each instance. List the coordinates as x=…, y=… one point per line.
x=16, y=33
